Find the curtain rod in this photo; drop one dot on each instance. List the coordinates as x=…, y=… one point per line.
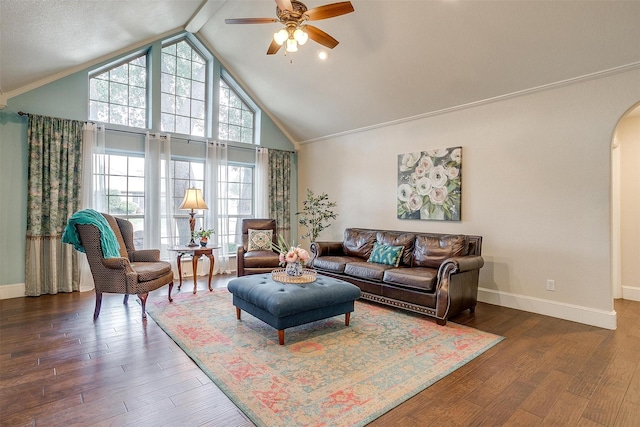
x=22, y=113
x=189, y=140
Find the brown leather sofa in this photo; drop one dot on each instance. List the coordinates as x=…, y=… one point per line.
x=256, y=262
x=437, y=274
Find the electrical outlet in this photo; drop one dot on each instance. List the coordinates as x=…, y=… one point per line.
x=551, y=285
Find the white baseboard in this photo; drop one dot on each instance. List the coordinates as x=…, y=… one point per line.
x=574, y=313
x=631, y=293
x=12, y=291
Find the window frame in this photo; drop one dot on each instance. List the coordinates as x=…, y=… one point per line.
x=208, y=87
x=237, y=232
x=232, y=88
x=135, y=219
x=107, y=68
x=179, y=214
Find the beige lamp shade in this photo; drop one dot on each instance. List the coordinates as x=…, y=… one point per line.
x=193, y=200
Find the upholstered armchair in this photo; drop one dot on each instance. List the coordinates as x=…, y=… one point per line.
x=133, y=272
x=255, y=255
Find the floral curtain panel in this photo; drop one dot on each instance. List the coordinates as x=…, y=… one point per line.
x=280, y=191
x=54, y=191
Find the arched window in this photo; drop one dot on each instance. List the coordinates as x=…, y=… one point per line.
x=119, y=94
x=236, y=119
x=183, y=89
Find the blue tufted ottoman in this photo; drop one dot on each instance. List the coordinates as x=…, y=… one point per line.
x=284, y=305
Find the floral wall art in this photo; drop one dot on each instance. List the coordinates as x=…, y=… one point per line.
x=429, y=184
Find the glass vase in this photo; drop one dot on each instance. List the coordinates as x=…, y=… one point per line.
x=294, y=269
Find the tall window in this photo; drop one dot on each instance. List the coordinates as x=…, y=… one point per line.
x=124, y=181
x=239, y=181
x=186, y=174
x=183, y=88
x=236, y=119
x=119, y=95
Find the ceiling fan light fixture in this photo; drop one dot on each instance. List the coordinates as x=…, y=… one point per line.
x=300, y=36
x=292, y=45
x=293, y=15
x=281, y=36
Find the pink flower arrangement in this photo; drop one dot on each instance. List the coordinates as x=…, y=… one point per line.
x=294, y=254
x=291, y=253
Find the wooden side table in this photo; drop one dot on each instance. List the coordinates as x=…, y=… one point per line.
x=196, y=252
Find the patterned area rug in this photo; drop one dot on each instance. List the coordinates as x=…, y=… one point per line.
x=326, y=373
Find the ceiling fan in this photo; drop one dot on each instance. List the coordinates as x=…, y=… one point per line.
x=293, y=14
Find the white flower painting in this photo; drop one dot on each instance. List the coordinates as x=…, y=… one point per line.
x=429, y=184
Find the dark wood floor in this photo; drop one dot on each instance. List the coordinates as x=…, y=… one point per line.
x=58, y=368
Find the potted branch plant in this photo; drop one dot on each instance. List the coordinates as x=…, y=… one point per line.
x=203, y=235
x=316, y=215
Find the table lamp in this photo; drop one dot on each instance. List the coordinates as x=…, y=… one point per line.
x=193, y=200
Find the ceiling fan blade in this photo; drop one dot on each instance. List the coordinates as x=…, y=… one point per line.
x=273, y=48
x=329, y=10
x=250, y=20
x=284, y=4
x=319, y=36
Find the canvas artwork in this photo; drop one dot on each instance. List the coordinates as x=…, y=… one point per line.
x=429, y=184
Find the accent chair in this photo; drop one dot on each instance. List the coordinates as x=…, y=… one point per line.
x=134, y=272
x=254, y=255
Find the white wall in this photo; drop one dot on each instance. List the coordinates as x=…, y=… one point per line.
x=629, y=136
x=536, y=185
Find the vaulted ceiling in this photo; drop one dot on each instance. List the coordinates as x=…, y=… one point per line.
x=397, y=59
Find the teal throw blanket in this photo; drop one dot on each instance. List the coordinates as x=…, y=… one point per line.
x=108, y=240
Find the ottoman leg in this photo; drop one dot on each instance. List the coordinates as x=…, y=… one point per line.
x=238, y=311
x=347, y=317
x=281, y=336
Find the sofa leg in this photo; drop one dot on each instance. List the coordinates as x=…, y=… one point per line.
x=472, y=309
x=281, y=336
x=441, y=322
x=96, y=312
x=170, y=289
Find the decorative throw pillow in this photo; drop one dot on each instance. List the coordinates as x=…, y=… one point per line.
x=386, y=254
x=259, y=240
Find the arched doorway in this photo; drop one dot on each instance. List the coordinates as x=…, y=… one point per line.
x=625, y=206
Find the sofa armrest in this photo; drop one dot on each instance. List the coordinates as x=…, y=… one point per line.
x=464, y=263
x=457, y=284
x=145, y=255
x=240, y=261
x=319, y=249
x=327, y=248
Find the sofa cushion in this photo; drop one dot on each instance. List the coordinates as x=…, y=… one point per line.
x=151, y=270
x=416, y=278
x=335, y=264
x=259, y=240
x=396, y=238
x=431, y=250
x=358, y=242
x=259, y=259
x=386, y=254
x=366, y=270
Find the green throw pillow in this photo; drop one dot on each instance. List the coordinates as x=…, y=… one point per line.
x=386, y=254
x=259, y=240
